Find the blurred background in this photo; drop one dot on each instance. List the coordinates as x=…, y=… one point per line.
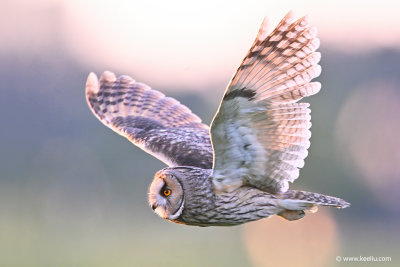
x=74, y=193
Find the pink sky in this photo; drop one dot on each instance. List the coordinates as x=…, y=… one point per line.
x=185, y=43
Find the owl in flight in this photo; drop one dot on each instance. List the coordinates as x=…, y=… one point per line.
x=237, y=170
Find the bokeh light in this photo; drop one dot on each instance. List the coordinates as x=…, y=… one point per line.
x=367, y=133
x=311, y=241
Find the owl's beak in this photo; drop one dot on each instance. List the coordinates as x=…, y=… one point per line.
x=154, y=206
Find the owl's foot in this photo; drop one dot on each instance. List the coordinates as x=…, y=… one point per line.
x=292, y=215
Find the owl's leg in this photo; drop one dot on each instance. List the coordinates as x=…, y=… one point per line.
x=292, y=215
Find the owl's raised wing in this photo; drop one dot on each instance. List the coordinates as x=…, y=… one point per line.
x=157, y=124
x=260, y=135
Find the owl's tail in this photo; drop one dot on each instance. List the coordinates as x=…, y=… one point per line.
x=295, y=202
x=303, y=197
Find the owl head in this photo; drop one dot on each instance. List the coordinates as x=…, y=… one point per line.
x=166, y=194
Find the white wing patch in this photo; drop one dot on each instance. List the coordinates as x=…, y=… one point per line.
x=260, y=135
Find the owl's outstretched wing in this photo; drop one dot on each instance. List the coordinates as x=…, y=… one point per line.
x=260, y=135
x=157, y=124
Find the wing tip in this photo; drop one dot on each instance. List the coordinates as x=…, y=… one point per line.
x=263, y=32
x=288, y=18
x=317, y=86
x=92, y=84
x=289, y=15
x=313, y=30
x=108, y=77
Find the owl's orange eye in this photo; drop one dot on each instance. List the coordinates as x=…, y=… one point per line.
x=167, y=192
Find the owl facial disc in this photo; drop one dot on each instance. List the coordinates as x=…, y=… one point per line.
x=166, y=196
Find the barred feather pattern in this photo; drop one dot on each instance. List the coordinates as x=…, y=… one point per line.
x=315, y=198
x=158, y=124
x=204, y=207
x=260, y=133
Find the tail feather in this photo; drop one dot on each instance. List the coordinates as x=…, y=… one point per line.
x=300, y=200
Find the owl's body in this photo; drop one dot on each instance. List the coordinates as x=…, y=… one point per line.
x=200, y=204
x=239, y=169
